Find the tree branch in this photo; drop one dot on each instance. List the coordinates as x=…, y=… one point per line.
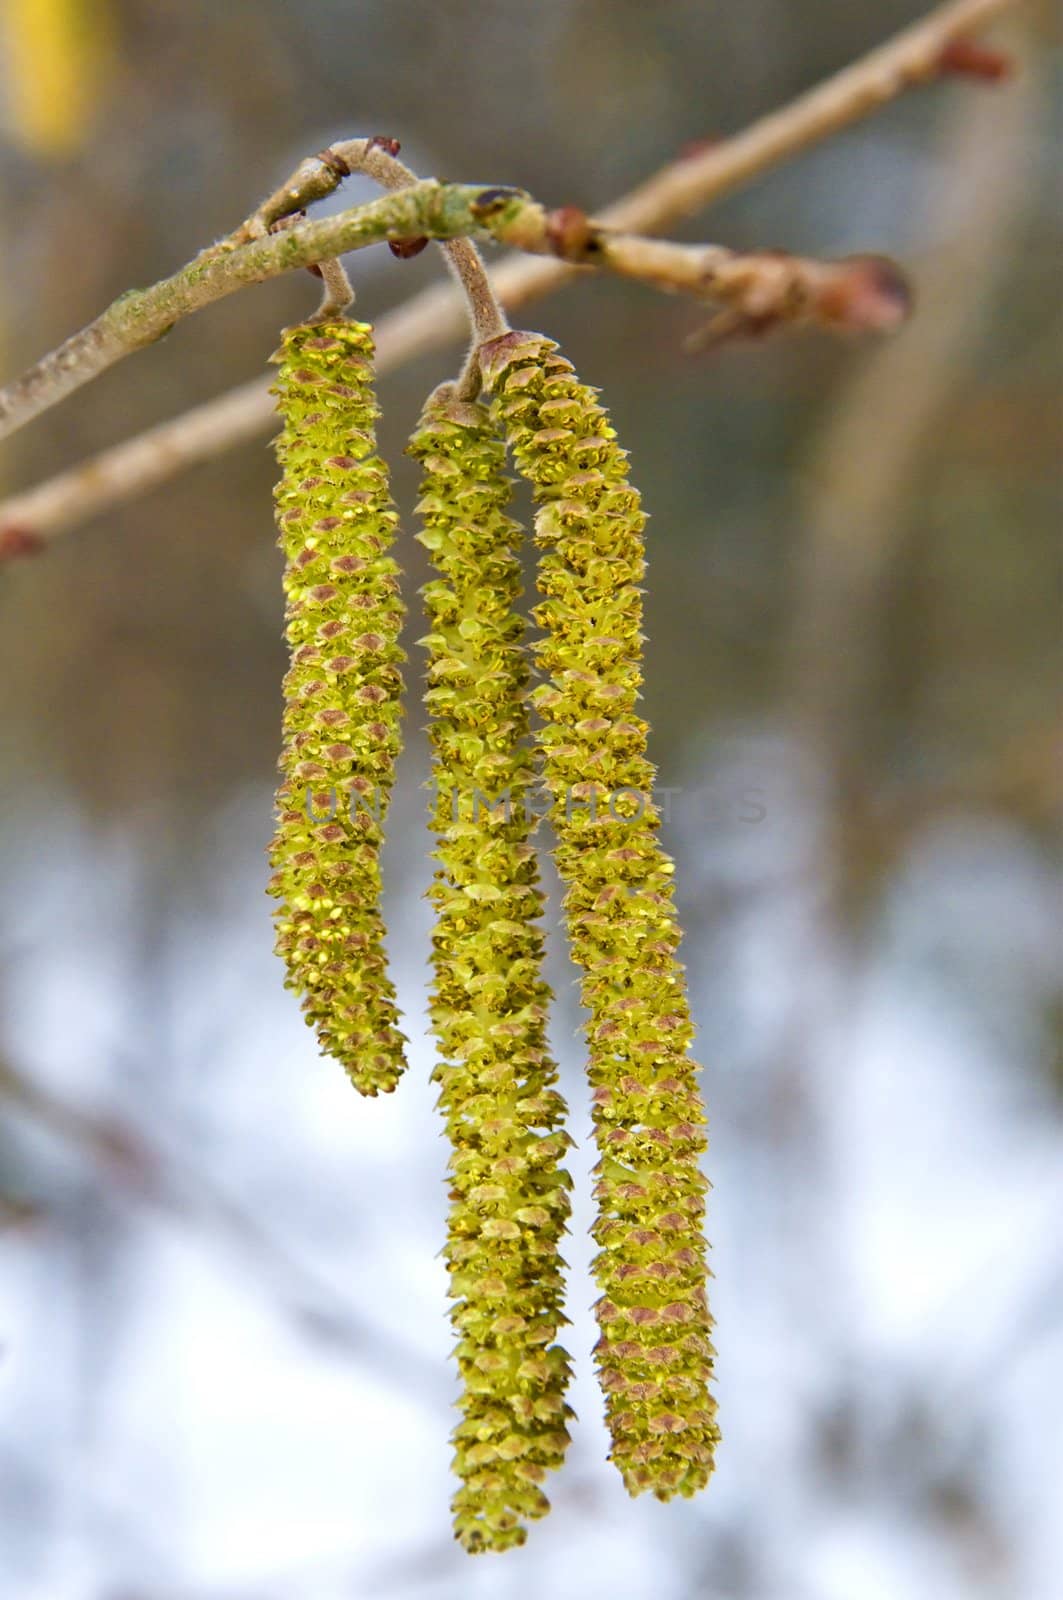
x=919, y=54
x=754, y=285
x=321, y=175
x=378, y=159
x=154, y=1178
x=435, y=317
x=140, y=316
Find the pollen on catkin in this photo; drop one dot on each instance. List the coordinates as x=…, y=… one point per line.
x=508, y=1190
x=342, y=692
x=654, y=1354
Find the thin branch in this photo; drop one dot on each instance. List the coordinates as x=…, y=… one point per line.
x=338, y=294
x=140, y=316
x=858, y=293
x=919, y=54
x=377, y=158
x=176, y=1187
x=878, y=438
x=434, y=318
x=129, y=469
x=431, y=210
x=865, y=293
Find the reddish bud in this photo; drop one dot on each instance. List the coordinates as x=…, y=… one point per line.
x=19, y=542
x=968, y=59
x=571, y=233
x=405, y=248
x=696, y=147
x=870, y=293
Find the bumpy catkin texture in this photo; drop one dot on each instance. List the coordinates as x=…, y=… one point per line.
x=508, y=1191
x=341, y=697
x=654, y=1353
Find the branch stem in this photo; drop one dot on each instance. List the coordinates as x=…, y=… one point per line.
x=486, y=316
x=434, y=317
x=141, y=316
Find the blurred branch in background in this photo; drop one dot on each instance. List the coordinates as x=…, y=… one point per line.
x=128, y=1162
x=861, y=504
x=921, y=54
x=860, y=480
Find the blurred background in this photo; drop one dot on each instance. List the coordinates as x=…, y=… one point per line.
x=223, y=1336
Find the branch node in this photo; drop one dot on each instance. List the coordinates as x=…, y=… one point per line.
x=332, y=159
x=571, y=234
x=490, y=202
x=290, y=219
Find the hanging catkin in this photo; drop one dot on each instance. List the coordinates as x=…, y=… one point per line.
x=654, y=1352
x=341, y=697
x=508, y=1192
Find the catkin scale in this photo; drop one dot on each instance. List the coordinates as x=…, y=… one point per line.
x=508, y=1191
x=654, y=1353
x=341, y=722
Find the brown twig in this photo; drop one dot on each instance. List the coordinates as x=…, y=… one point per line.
x=377, y=157
x=435, y=317
x=141, y=316
x=441, y=211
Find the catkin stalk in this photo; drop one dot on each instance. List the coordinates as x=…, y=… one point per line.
x=342, y=693
x=654, y=1353
x=508, y=1191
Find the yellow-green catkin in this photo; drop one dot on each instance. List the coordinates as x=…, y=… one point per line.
x=342, y=693
x=654, y=1353
x=508, y=1190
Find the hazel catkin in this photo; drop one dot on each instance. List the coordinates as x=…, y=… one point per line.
x=508, y=1191
x=341, y=723
x=654, y=1354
